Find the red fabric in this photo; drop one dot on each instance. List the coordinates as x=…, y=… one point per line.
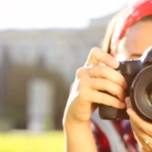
x=134, y=13
x=102, y=141
x=124, y=130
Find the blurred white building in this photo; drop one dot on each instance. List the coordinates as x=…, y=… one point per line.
x=58, y=51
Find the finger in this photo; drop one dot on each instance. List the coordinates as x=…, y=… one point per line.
x=106, y=99
x=107, y=73
x=141, y=138
x=147, y=148
x=137, y=137
x=82, y=72
x=128, y=102
x=147, y=127
x=108, y=86
x=97, y=56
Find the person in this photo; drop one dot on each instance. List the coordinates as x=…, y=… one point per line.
x=98, y=82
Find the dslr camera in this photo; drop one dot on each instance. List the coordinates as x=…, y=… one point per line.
x=138, y=75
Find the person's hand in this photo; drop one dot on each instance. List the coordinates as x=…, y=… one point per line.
x=96, y=82
x=142, y=130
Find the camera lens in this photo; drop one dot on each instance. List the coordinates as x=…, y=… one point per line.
x=149, y=94
x=141, y=93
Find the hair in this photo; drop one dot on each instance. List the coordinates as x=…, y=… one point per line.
x=146, y=18
x=106, y=42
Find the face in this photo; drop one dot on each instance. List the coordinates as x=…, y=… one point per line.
x=137, y=39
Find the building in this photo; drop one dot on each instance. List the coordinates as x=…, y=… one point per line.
x=51, y=55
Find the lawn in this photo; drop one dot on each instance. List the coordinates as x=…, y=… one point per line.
x=27, y=142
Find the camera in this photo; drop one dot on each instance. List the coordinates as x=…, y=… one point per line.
x=138, y=75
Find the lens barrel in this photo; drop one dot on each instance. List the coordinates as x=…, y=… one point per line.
x=141, y=93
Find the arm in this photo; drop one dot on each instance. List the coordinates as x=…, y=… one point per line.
x=91, y=82
x=79, y=137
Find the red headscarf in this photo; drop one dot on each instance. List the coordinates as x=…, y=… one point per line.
x=133, y=14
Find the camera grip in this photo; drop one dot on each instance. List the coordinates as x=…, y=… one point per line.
x=107, y=112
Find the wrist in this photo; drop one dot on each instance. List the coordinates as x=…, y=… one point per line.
x=72, y=123
x=76, y=134
x=70, y=120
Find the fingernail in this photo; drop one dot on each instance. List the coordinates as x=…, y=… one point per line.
x=128, y=103
x=128, y=111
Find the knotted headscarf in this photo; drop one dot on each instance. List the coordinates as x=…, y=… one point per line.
x=124, y=20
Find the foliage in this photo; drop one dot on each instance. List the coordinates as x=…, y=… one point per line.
x=29, y=142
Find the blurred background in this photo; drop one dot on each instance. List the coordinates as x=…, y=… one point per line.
x=42, y=43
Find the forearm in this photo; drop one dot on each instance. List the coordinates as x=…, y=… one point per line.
x=79, y=138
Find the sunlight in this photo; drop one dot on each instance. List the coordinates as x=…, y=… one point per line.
x=53, y=13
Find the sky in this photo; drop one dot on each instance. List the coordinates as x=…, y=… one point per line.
x=41, y=14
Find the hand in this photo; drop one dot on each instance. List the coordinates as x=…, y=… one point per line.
x=97, y=76
x=142, y=130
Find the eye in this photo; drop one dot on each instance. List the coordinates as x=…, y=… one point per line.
x=135, y=56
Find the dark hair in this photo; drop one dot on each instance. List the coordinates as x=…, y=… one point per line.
x=146, y=18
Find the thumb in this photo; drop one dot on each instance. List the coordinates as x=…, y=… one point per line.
x=128, y=102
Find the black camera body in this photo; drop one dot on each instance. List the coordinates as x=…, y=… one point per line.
x=138, y=74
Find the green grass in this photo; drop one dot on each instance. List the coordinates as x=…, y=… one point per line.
x=26, y=142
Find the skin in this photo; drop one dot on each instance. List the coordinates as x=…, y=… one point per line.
x=141, y=36
x=98, y=73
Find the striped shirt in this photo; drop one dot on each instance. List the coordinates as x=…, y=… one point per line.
x=113, y=136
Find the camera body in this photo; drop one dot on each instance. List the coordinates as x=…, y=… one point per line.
x=138, y=75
